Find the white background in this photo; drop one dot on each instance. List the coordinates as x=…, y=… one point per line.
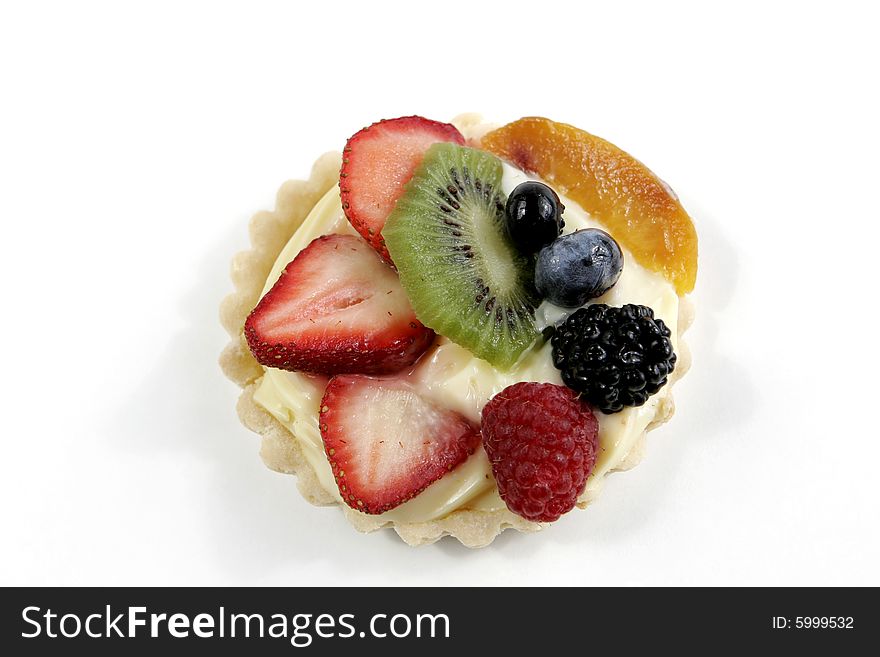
x=137, y=139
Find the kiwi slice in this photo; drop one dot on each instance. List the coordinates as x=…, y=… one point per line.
x=464, y=277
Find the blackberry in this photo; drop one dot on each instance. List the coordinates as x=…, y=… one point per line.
x=614, y=357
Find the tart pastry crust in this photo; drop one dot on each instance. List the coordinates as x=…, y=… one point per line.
x=281, y=451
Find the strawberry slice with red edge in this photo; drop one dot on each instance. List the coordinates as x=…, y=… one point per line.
x=337, y=307
x=386, y=442
x=376, y=164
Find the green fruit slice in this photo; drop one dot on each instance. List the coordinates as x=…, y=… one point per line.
x=464, y=277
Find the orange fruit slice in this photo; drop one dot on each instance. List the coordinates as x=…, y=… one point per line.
x=639, y=210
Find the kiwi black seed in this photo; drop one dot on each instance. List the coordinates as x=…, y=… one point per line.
x=464, y=277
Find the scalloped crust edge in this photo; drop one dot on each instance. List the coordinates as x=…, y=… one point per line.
x=280, y=451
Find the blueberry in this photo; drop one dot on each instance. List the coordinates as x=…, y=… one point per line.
x=578, y=267
x=534, y=216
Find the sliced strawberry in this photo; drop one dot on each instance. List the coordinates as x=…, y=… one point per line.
x=386, y=443
x=336, y=308
x=377, y=162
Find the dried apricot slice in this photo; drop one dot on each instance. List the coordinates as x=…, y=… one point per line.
x=640, y=211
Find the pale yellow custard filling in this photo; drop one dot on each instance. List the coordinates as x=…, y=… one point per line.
x=450, y=375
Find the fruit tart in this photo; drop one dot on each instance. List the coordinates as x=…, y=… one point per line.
x=458, y=328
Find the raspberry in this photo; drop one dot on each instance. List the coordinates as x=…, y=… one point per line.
x=542, y=442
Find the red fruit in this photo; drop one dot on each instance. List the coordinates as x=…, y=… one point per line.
x=542, y=442
x=377, y=162
x=336, y=308
x=386, y=443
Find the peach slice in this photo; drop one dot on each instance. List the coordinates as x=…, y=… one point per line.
x=639, y=210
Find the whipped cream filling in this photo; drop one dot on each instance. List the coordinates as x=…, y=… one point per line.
x=453, y=377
